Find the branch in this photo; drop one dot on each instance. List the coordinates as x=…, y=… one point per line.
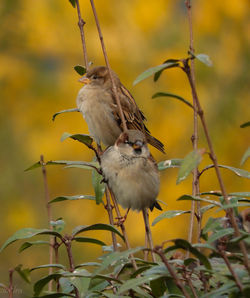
x=81, y=24
x=109, y=68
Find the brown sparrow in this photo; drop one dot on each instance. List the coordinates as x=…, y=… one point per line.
x=97, y=103
x=131, y=172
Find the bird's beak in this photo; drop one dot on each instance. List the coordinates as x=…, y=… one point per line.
x=137, y=145
x=84, y=80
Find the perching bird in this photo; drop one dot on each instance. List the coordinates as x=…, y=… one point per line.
x=131, y=172
x=96, y=101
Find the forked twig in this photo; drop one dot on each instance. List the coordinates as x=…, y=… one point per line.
x=148, y=233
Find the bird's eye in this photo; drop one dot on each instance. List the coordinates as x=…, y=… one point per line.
x=95, y=77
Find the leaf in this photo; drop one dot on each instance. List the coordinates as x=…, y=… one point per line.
x=64, y=111
x=87, y=264
x=96, y=227
x=82, y=138
x=24, y=273
x=88, y=240
x=112, y=258
x=132, y=283
x=26, y=245
x=168, y=214
x=204, y=245
x=190, y=162
x=3, y=286
x=238, y=172
x=161, y=94
x=99, y=186
x=204, y=59
x=243, y=125
x=28, y=233
x=81, y=70
x=158, y=73
x=149, y=72
x=41, y=283
x=184, y=244
x=58, y=225
x=73, y=3
x=233, y=205
x=55, y=295
x=193, y=198
x=170, y=163
x=158, y=287
x=245, y=156
x=85, y=165
x=211, y=225
x=221, y=233
x=48, y=266
x=72, y=198
x=240, y=194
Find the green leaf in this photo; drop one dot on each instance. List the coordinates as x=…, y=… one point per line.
x=81, y=70
x=64, y=111
x=162, y=94
x=132, y=283
x=158, y=286
x=170, y=163
x=238, y=172
x=193, y=198
x=243, y=125
x=48, y=266
x=82, y=138
x=184, y=244
x=3, y=286
x=28, y=233
x=41, y=283
x=221, y=233
x=99, y=186
x=211, y=225
x=233, y=205
x=190, y=162
x=26, y=245
x=24, y=273
x=158, y=73
x=204, y=59
x=149, y=72
x=96, y=227
x=88, y=240
x=168, y=214
x=69, y=163
x=55, y=295
x=88, y=264
x=73, y=3
x=58, y=225
x=112, y=258
x=245, y=156
x=240, y=194
x=203, y=245
x=72, y=198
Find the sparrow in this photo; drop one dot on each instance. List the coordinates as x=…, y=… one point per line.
x=131, y=172
x=96, y=102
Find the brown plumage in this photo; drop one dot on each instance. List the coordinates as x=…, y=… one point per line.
x=97, y=103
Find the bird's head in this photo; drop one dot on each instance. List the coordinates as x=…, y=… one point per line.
x=99, y=76
x=132, y=143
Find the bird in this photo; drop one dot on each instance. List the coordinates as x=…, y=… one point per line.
x=131, y=172
x=96, y=102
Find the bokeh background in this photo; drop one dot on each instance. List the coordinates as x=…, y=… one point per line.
x=39, y=46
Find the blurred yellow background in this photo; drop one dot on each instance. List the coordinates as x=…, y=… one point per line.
x=39, y=46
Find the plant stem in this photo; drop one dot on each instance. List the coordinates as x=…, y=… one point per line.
x=11, y=287
x=124, y=233
x=148, y=233
x=235, y=276
x=109, y=68
x=46, y=191
x=81, y=24
x=213, y=157
x=111, y=219
x=195, y=183
x=178, y=282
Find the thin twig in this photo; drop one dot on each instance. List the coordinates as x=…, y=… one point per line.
x=111, y=219
x=235, y=276
x=124, y=232
x=158, y=250
x=81, y=24
x=195, y=183
x=148, y=233
x=190, y=284
x=109, y=68
x=46, y=191
x=213, y=157
x=11, y=287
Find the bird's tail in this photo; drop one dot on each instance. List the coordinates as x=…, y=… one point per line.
x=155, y=142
